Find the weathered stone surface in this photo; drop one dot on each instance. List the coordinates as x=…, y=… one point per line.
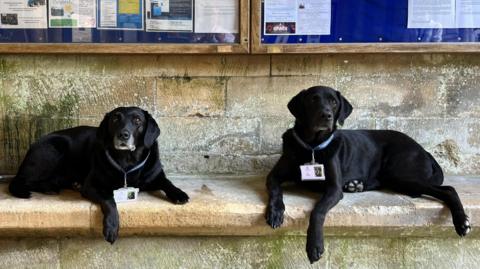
x=29, y=253
x=266, y=97
x=67, y=213
x=175, y=65
x=72, y=97
x=463, y=95
x=271, y=133
x=195, y=163
x=222, y=205
x=431, y=132
x=239, y=252
x=16, y=65
x=303, y=65
x=416, y=93
x=396, y=96
x=190, y=97
x=209, y=135
x=339, y=65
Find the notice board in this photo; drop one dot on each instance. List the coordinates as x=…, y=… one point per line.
x=309, y=26
x=124, y=26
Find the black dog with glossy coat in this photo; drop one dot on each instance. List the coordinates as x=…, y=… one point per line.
x=354, y=160
x=94, y=158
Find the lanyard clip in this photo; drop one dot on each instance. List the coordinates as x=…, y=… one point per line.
x=313, y=157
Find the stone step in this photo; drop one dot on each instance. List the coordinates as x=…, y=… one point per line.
x=235, y=205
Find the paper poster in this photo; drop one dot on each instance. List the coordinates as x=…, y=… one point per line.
x=314, y=17
x=25, y=14
x=467, y=14
x=443, y=13
x=72, y=13
x=297, y=17
x=169, y=15
x=120, y=14
x=216, y=16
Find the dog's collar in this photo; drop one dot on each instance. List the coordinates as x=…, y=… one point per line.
x=321, y=146
x=125, y=173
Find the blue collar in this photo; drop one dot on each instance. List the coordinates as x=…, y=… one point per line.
x=125, y=173
x=321, y=146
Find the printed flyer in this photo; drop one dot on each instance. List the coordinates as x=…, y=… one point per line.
x=120, y=14
x=443, y=14
x=297, y=17
x=72, y=14
x=169, y=15
x=24, y=14
x=216, y=16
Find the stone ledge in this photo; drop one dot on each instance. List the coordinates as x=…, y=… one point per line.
x=233, y=205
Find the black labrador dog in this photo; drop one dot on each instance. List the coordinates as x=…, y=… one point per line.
x=98, y=161
x=354, y=160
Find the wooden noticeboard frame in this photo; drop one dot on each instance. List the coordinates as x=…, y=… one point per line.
x=316, y=48
x=242, y=47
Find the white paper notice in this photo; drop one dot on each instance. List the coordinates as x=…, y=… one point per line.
x=297, y=17
x=314, y=17
x=468, y=14
x=431, y=14
x=26, y=14
x=216, y=16
x=72, y=13
x=108, y=9
x=280, y=10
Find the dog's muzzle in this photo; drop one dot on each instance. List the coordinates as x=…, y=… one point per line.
x=120, y=144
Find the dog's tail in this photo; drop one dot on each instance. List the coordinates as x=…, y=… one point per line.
x=19, y=188
x=437, y=173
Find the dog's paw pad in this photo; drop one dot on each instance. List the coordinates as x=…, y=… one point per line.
x=465, y=228
x=275, y=218
x=314, y=254
x=353, y=186
x=178, y=197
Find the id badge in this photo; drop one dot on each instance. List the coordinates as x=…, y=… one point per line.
x=125, y=194
x=312, y=172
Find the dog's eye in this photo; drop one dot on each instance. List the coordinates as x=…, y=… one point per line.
x=137, y=121
x=333, y=102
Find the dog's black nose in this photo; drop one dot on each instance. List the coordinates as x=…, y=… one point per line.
x=124, y=135
x=327, y=115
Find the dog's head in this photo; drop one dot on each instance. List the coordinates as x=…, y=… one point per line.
x=319, y=108
x=128, y=128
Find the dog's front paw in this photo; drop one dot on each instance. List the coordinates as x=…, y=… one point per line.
x=315, y=249
x=275, y=214
x=177, y=196
x=462, y=225
x=110, y=228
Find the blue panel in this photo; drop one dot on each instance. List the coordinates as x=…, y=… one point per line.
x=367, y=21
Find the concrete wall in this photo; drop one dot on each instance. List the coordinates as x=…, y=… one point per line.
x=226, y=114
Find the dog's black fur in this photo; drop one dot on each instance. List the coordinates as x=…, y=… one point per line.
x=77, y=157
x=355, y=160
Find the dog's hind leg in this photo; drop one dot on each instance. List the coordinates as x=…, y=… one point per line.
x=353, y=186
x=447, y=194
x=37, y=171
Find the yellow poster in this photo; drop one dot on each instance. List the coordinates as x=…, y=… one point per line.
x=129, y=6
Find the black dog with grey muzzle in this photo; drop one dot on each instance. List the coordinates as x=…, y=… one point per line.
x=122, y=152
x=349, y=160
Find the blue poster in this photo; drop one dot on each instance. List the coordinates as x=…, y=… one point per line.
x=120, y=14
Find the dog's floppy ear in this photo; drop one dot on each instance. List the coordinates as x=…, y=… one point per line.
x=344, y=109
x=102, y=131
x=152, y=131
x=296, y=105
